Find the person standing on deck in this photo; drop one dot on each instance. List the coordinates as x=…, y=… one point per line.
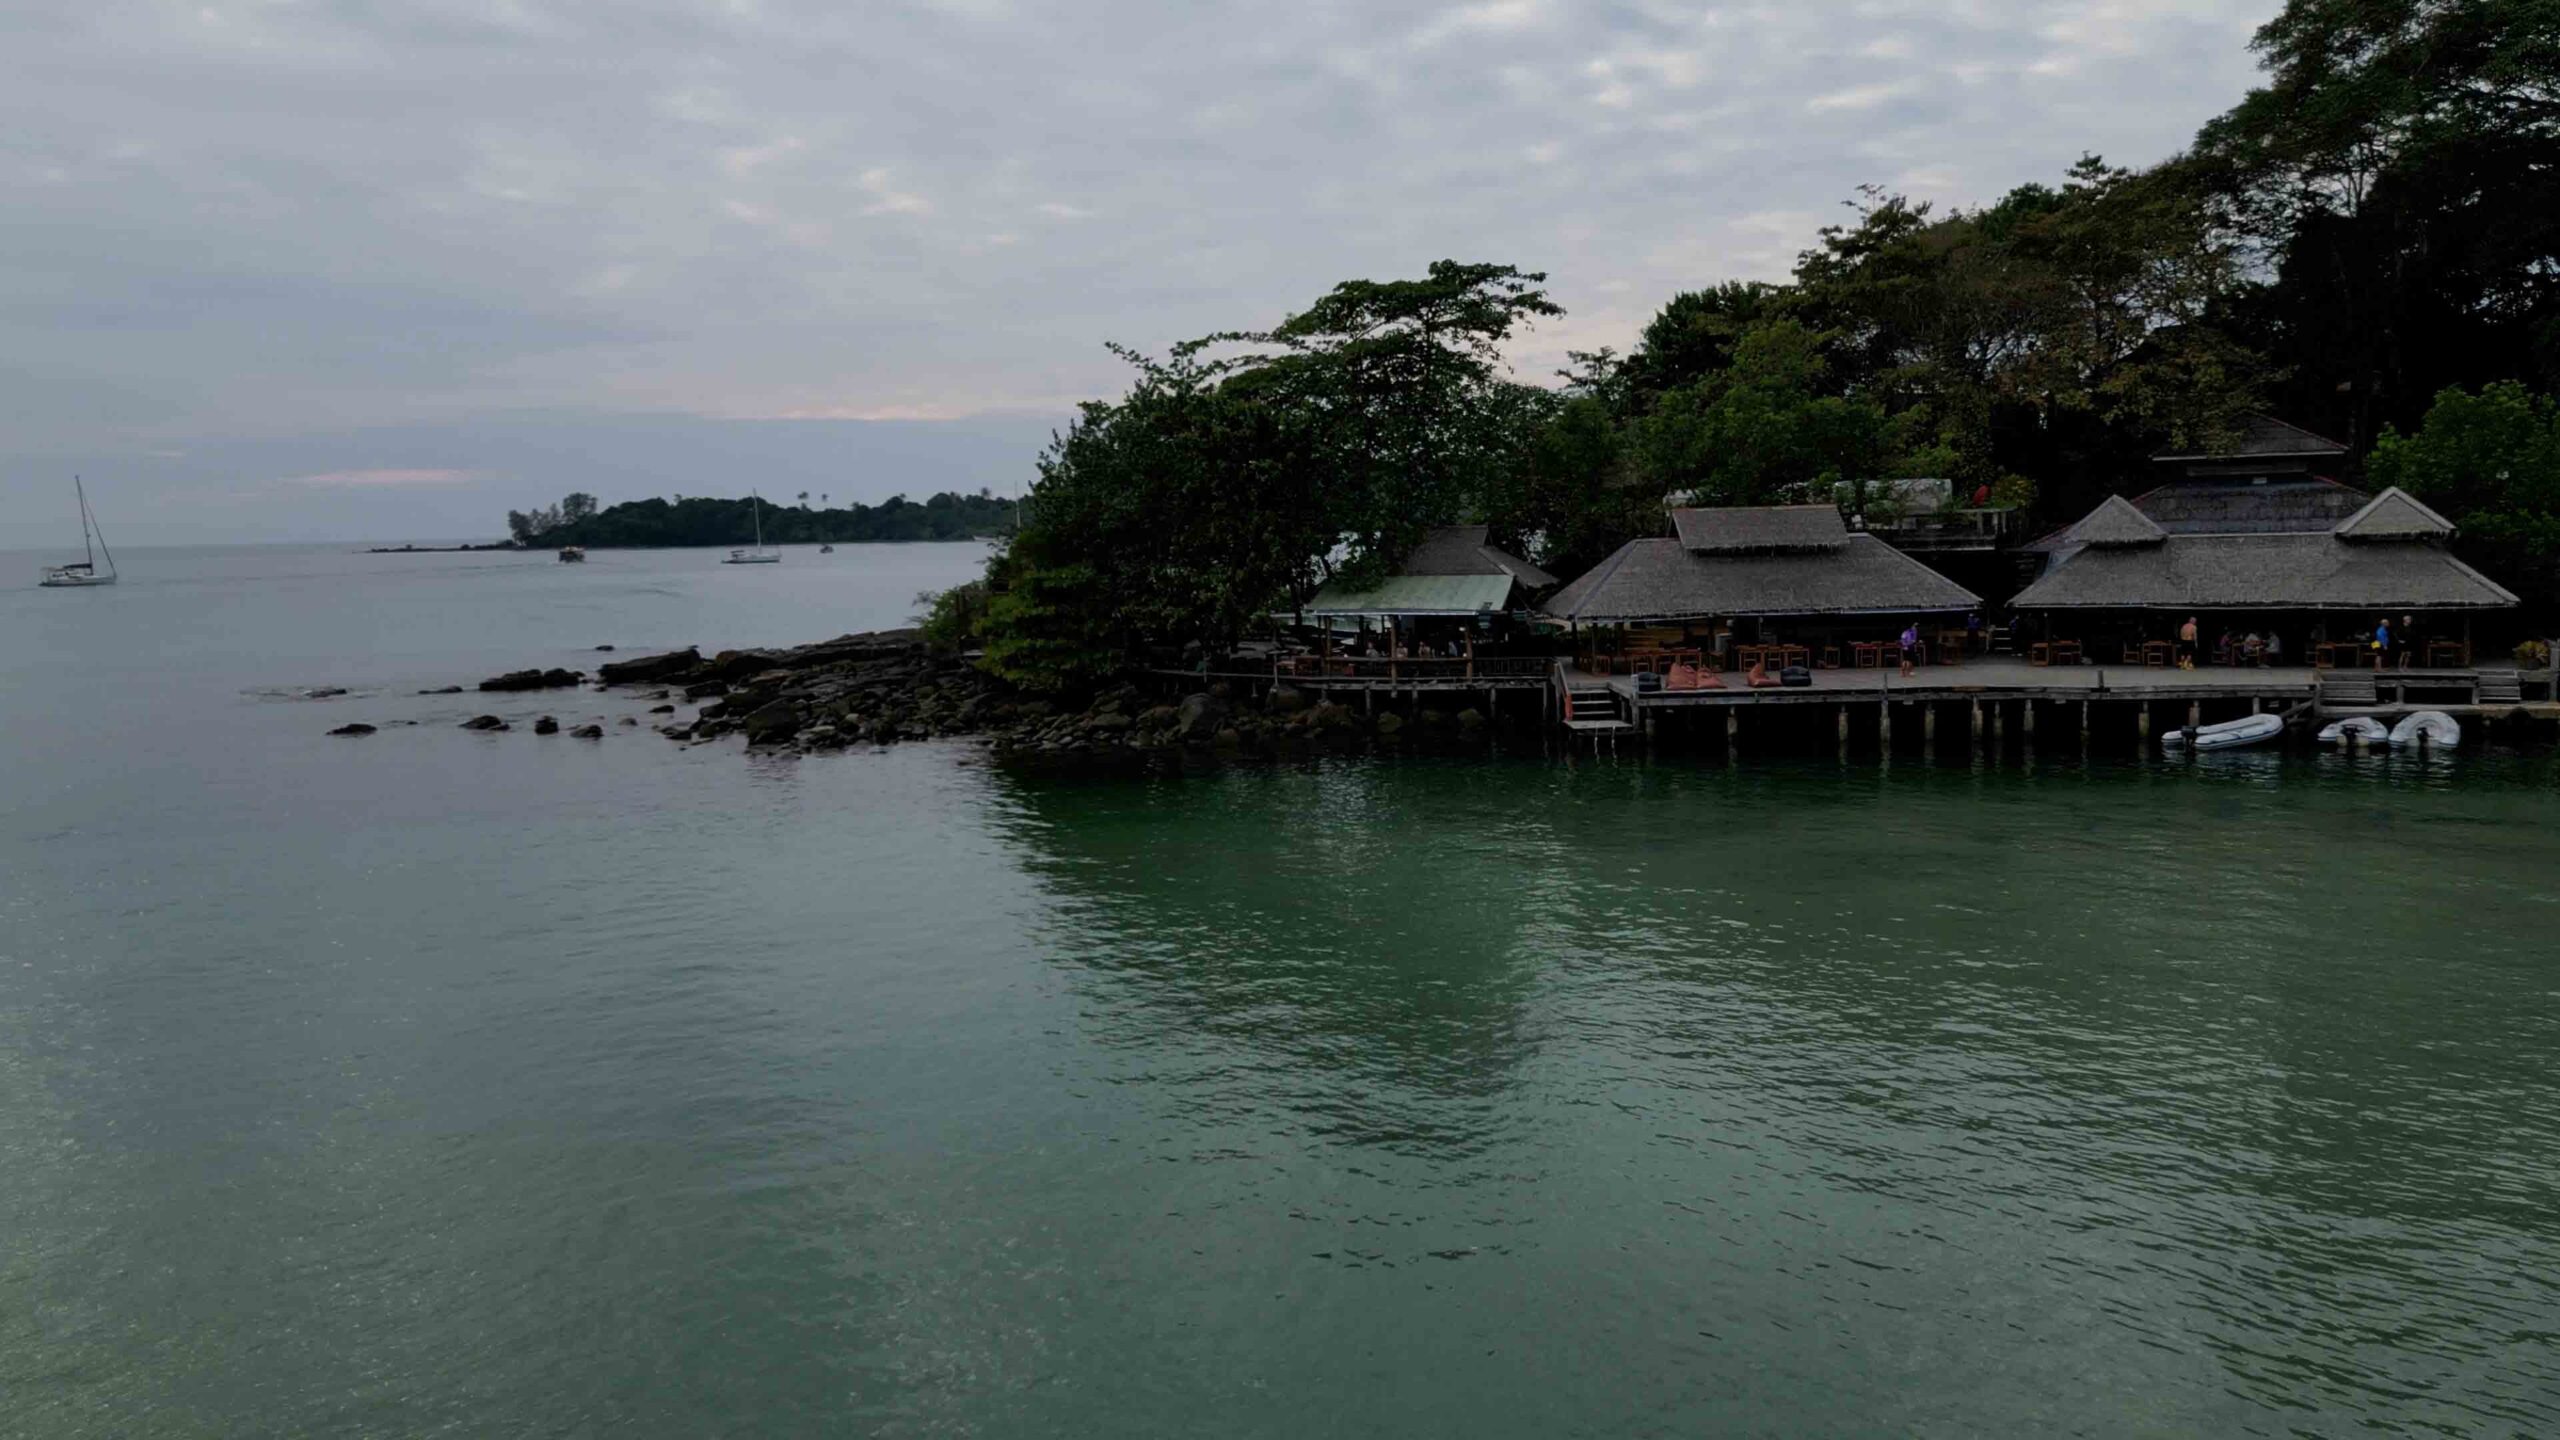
x=2382, y=642
x=2275, y=649
x=1910, y=648
x=2408, y=636
x=2187, y=644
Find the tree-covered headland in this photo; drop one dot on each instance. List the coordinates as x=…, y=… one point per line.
x=704, y=520
x=2368, y=245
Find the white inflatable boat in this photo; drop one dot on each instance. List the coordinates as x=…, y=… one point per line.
x=2250, y=730
x=2428, y=727
x=2355, y=730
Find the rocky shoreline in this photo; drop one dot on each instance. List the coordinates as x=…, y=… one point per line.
x=884, y=687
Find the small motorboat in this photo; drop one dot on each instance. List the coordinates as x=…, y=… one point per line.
x=2355, y=730
x=2432, y=728
x=826, y=549
x=573, y=554
x=2230, y=734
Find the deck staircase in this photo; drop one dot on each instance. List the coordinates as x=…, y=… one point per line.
x=2501, y=687
x=1588, y=706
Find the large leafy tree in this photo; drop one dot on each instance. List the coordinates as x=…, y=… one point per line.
x=1400, y=388
x=2400, y=174
x=1181, y=512
x=2491, y=462
x=1762, y=429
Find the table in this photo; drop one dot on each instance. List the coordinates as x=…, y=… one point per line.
x=2066, y=652
x=1866, y=654
x=2446, y=654
x=2159, y=653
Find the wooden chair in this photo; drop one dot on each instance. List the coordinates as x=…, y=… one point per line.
x=2040, y=652
x=1830, y=657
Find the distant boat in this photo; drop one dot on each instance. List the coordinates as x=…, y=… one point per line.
x=573, y=554
x=826, y=549
x=94, y=541
x=758, y=554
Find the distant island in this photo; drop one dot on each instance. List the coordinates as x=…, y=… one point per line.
x=710, y=521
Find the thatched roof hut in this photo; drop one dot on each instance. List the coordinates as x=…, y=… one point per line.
x=1453, y=572
x=1759, y=561
x=2386, y=557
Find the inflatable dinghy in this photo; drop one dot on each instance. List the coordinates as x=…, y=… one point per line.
x=2356, y=729
x=2428, y=727
x=2248, y=731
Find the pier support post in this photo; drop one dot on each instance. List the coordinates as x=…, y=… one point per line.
x=1977, y=727
x=2142, y=724
x=1929, y=725
x=1844, y=734
x=1999, y=728
x=1884, y=727
x=2027, y=717
x=2195, y=713
x=1732, y=732
x=2084, y=727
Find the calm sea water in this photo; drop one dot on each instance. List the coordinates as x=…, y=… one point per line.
x=438, y=1083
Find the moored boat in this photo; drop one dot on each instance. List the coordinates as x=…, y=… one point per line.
x=759, y=554
x=2355, y=730
x=573, y=554
x=2230, y=734
x=2432, y=728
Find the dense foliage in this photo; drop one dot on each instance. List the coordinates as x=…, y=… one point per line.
x=703, y=520
x=2490, y=463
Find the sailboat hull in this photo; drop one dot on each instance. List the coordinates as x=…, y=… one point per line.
x=59, y=579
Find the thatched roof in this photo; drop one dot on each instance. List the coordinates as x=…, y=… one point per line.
x=1461, y=550
x=2263, y=437
x=1665, y=580
x=1760, y=529
x=2115, y=523
x=2318, y=571
x=1417, y=595
x=2395, y=514
x=2250, y=506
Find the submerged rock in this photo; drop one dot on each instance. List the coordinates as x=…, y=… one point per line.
x=443, y=690
x=662, y=709
x=546, y=726
x=324, y=692
x=358, y=728
x=484, y=722
x=587, y=732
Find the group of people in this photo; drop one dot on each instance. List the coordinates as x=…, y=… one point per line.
x=2232, y=648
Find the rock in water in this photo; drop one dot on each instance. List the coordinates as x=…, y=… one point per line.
x=356, y=729
x=532, y=680
x=650, y=667
x=777, y=721
x=324, y=692
x=627, y=720
x=1202, y=715
x=587, y=732
x=605, y=648
x=662, y=709
x=484, y=722
x=546, y=726
x=443, y=690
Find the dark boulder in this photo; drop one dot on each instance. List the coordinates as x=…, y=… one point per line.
x=587, y=732
x=1287, y=700
x=605, y=648
x=358, y=728
x=443, y=690
x=546, y=726
x=484, y=722
x=1201, y=716
x=650, y=667
x=777, y=721
x=662, y=709
x=627, y=720
x=704, y=690
x=532, y=680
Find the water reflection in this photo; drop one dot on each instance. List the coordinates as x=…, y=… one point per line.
x=2211, y=1053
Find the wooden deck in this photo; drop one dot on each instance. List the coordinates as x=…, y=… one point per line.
x=2002, y=678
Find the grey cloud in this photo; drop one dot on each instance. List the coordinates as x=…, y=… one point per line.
x=232, y=221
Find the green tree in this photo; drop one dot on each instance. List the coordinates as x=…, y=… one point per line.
x=1398, y=388
x=1763, y=429
x=2490, y=462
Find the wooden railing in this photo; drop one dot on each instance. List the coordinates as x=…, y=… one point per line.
x=1442, y=669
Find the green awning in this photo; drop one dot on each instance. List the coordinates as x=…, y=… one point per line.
x=1418, y=595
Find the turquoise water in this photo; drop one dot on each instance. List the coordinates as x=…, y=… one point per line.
x=445, y=1083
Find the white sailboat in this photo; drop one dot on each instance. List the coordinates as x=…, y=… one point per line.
x=759, y=554
x=94, y=542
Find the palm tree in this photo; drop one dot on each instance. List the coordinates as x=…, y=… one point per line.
x=804, y=499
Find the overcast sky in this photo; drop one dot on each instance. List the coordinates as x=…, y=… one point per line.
x=303, y=269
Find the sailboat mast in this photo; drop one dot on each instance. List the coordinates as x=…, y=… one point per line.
x=757, y=501
x=92, y=522
x=85, y=548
